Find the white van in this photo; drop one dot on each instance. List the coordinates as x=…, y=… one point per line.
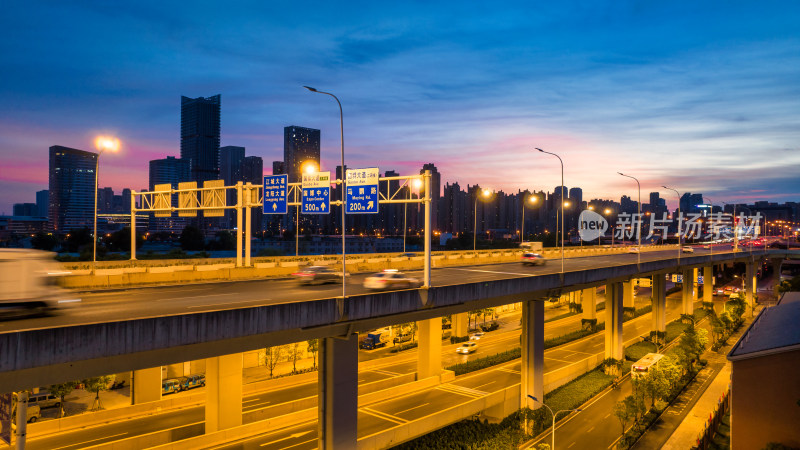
x=642, y=366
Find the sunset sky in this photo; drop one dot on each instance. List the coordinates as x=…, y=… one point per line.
x=700, y=96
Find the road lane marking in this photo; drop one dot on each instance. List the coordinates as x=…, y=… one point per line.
x=412, y=408
x=590, y=429
x=291, y=436
x=227, y=303
x=461, y=390
x=386, y=372
x=493, y=271
x=570, y=445
x=256, y=406
x=79, y=444
x=192, y=297
x=484, y=384
x=294, y=445
x=384, y=416
x=509, y=370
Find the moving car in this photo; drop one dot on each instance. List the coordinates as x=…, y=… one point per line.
x=28, y=283
x=633, y=250
x=719, y=292
x=401, y=338
x=467, y=347
x=533, y=259
x=687, y=249
x=391, y=279
x=170, y=385
x=476, y=336
x=316, y=275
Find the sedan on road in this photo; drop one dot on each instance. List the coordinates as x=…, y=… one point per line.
x=633, y=250
x=476, y=336
x=687, y=249
x=533, y=259
x=467, y=347
x=391, y=279
x=316, y=275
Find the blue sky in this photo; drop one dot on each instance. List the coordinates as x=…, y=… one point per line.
x=700, y=96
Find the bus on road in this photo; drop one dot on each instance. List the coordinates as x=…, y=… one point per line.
x=642, y=366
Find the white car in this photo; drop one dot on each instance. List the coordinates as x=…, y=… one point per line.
x=633, y=249
x=467, y=347
x=476, y=336
x=391, y=279
x=687, y=249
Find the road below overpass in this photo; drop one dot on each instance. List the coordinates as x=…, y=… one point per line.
x=375, y=417
x=119, y=305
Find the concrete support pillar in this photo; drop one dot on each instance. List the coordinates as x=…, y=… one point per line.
x=338, y=392
x=614, y=320
x=532, y=368
x=659, y=301
x=589, y=303
x=224, y=392
x=429, y=363
x=776, y=276
x=750, y=285
x=460, y=323
x=627, y=294
x=695, y=286
x=687, y=297
x=708, y=284
x=146, y=385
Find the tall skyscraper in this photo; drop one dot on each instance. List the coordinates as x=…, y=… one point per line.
x=71, y=203
x=278, y=168
x=169, y=170
x=299, y=145
x=42, y=199
x=200, y=131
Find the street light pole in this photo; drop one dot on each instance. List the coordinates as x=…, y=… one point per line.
x=554, y=414
x=101, y=143
x=341, y=131
x=639, y=216
x=531, y=199
x=562, y=206
x=680, y=236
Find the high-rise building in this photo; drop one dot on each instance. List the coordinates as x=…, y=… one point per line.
x=299, y=145
x=230, y=171
x=172, y=171
x=72, y=178
x=105, y=200
x=200, y=131
x=42, y=199
x=278, y=168
x=391, y=221
x=25, y=209
x=576, y=195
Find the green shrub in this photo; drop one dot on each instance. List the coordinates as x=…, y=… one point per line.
x=637, y=351
x=458, y=340
x=486, y=361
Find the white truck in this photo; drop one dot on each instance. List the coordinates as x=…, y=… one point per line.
x=27, y=283
x=531, y=247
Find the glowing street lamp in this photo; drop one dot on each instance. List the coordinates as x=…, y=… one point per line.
x=485, y=193
x=680, y=236
x=102, y=144
x=417, y=185
x=562, y=206
x=341, y=131
x=532, y=200
x=639, y=215
x=554, y=414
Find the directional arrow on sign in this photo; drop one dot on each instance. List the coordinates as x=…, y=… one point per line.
x=369, y=205
x=274, y=206
x=322, y=206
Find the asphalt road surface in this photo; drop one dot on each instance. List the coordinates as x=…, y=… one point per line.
x=99, y=307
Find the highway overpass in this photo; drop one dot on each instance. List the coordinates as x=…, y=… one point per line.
x=139, y=331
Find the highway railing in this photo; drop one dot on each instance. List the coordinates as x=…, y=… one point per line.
x=110, y=274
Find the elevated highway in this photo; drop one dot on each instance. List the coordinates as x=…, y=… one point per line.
x=142, y=329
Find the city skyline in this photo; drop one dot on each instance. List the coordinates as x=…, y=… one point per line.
x=672, y=97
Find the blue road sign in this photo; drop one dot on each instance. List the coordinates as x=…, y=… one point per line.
x=316, y=193
x=678, y=278
x=276, y=189
x=362, y=191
